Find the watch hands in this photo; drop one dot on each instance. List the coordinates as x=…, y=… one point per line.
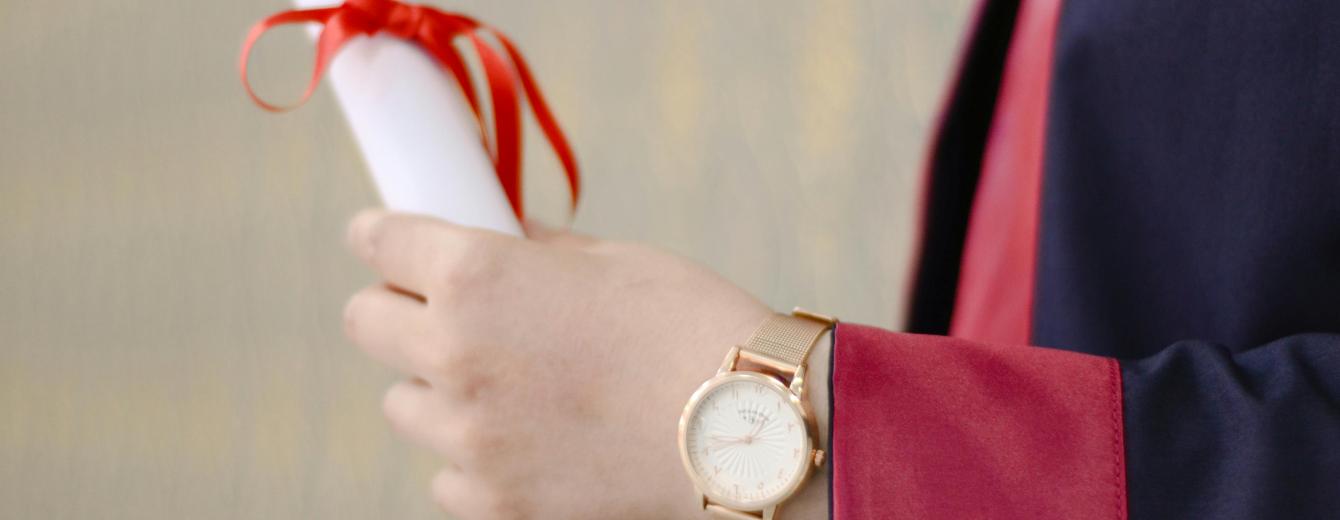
x=758, y=427
x=725, y=441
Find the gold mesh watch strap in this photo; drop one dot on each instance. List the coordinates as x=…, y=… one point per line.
x=784, y=341
x=785, y=338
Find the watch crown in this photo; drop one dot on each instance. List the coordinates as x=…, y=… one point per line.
x=818, y=458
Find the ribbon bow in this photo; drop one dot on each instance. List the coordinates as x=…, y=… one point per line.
x=434, y=30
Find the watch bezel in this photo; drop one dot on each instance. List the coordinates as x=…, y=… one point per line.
x=797, y=404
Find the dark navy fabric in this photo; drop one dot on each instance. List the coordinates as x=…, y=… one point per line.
x=1190, y=226
x=1192, y=175
x=1192, y=192
x=1214, y=433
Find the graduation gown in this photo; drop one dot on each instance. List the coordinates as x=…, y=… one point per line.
x=1127, y=297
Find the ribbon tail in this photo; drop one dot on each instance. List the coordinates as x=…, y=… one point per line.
x=548, y=123
x=447, y=57
x=506, y=123
x=436, y=39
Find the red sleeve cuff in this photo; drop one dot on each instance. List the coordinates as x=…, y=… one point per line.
x=937, y=427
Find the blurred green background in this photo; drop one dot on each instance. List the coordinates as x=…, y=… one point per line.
x=172, y=268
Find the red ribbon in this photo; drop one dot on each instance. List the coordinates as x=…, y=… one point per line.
x=434, y=30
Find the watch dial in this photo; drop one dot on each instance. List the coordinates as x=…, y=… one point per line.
x=747, y=443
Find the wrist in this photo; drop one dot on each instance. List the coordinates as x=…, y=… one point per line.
x=817, y=388
x=811, y=501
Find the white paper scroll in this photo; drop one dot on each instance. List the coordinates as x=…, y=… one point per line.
x=416, y=131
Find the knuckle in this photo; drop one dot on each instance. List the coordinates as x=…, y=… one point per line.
x=494, y=492
x=476, y=499
x=397, y=408
x=444, y=492
x=353, y=309
x=450, y=266
x=448, y=355
x=444, y=501
x=446, y=363
x=470, y=262
x=356, y=232
x=479, y=442
x=501, y=507
x=469, y=385
x=375, y=236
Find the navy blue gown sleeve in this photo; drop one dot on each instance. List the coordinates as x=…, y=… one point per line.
x=1214, y=433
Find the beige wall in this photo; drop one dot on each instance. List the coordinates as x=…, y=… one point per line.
x=171, y=268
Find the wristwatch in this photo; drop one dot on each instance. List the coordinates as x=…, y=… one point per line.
x=747, y=436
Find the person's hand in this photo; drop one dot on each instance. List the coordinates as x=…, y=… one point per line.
x=549, y=373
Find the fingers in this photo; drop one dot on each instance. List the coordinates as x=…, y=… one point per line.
x=415, y=252
x=453, y=493
x=388, y=326
x=462, y=497
x=420, y=415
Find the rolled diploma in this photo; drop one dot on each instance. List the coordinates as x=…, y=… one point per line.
x=417, y=132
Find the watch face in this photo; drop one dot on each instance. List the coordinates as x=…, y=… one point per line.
x=744, y=441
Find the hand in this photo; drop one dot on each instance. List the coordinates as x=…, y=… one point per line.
x=549, y=373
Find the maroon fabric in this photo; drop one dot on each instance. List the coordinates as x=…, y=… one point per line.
x=933, y=427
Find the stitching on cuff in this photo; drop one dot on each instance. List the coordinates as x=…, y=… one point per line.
x=1118, y=444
